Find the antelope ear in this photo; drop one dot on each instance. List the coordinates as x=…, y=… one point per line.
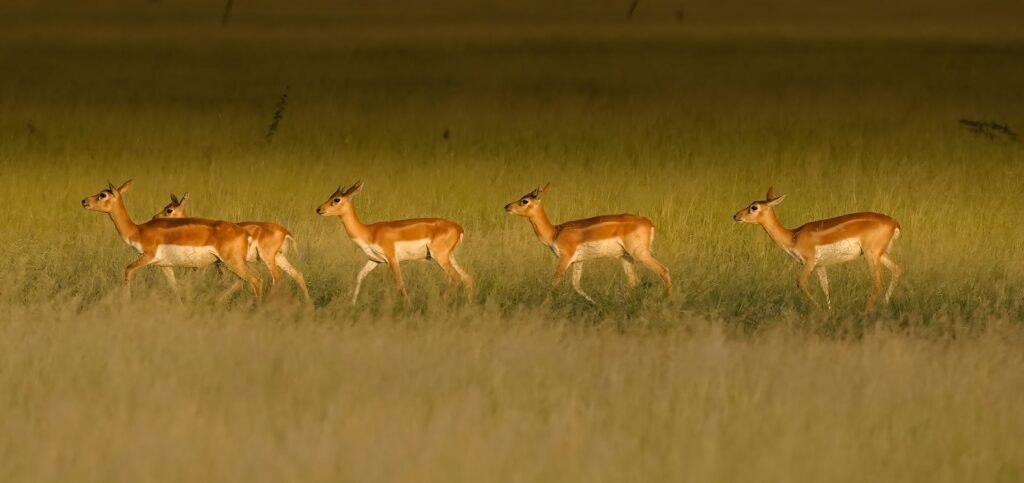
x=776, y=200
x=771, y=194
x=542, y=191
x=174, y=199
x=124, y=186
x=184, y=198
x=354, y=189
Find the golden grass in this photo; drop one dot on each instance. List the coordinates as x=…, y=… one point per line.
x=734, y=378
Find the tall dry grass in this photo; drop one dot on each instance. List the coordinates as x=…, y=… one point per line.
x=453, y=111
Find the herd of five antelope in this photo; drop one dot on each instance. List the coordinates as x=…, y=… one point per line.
x=173, y=239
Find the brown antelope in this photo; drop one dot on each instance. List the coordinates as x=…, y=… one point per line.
x=819, y=244
x=627, y=237
x=189, y=242
x=392, y=242
x=269, y=242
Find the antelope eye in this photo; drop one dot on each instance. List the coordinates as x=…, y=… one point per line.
x=753, y=208
x=169, y=211
x=337, y=200
x=102, y=195
x=524, y=202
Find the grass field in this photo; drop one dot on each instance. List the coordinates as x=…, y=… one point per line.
x=684, y=114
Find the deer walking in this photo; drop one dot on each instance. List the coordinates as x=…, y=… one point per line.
x=392, y=242
x=167, y=243
x=270, y=243
x=819, y=244
x=627, y=237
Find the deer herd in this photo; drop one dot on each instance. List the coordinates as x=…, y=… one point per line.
x=173, y=238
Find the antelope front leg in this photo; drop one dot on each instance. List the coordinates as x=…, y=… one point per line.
x=370, y=265
x=577, y=275
x=563, y=265
x=802, y=282
x=142, y=261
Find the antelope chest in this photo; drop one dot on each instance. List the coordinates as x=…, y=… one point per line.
x=608, y=248
x=404, y=250
x=184, y=256
x=135, y=246
x=838, y=252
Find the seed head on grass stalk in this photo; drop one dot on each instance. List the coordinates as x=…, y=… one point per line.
x=278, y=115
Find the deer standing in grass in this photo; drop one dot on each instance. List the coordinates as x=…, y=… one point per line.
x=188, y=242
x=819, y=244
x=626, y=237
x=392, y=242
x=269, y=242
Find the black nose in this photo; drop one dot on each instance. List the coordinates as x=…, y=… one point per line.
x=318, y=211
x=85, y=203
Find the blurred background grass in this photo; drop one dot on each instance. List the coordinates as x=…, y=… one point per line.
x=684, y=113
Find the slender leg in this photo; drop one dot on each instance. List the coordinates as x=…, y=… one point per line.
x=443, y=259
x=630, y=268
x=270, y=258
x=396, y=271
x=370, y=265
x=650, y=262
x=876, y=282
x=466, y=279
x=895, y=271
x=563, y=265
x=294, y=273
x=173, y=282
x=577, y=275
x=239, y=268
x=223, y=299
x=823, y=281
x=802, y=282
x=142, y=261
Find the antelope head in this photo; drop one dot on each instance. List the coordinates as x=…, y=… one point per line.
x=757, y=212
x=340, y=201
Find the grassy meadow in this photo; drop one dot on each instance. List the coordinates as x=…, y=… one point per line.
x=684, y=113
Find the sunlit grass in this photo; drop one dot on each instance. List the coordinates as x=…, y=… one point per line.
x=733, y=378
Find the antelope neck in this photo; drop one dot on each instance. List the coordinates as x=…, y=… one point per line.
x=779, y=233
x=128, y=230
x=355, y=228
x=542, y=226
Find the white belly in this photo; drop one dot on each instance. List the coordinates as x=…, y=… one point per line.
x=412, y=250
x=404, y=250
x=609, y=248
x=839, y=252
x=184, y=256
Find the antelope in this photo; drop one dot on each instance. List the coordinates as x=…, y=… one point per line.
x=269, y=242
x=819, y=244
x=392, y=242
x=188, y=242
x=626, y=237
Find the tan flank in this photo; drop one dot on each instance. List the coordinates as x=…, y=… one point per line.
x=819, y=244
x=392, y=242
x=188, y=242
x=627, y=237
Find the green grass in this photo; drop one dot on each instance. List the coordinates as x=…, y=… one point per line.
x=733, y=378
